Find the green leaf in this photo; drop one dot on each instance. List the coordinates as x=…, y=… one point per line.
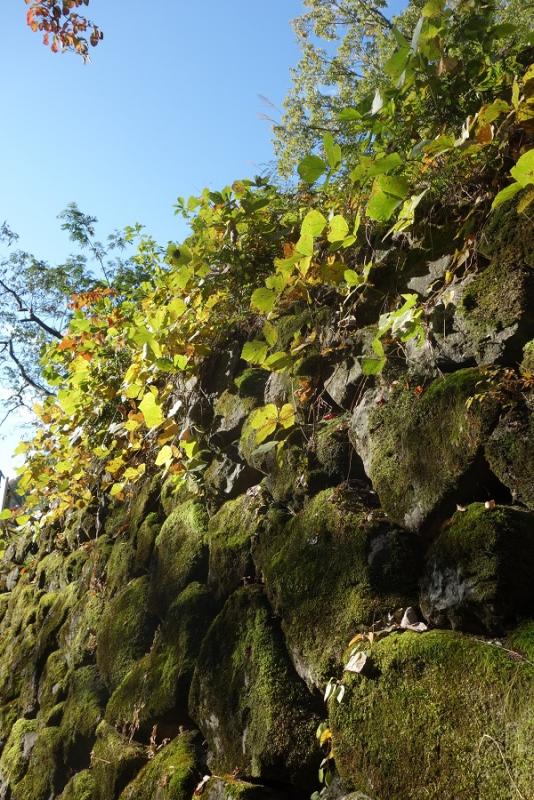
x=348, y=114
x=433, y=8
x=254, y=352
x=523, y=171
x=5, y=514
x=263, y=299
x=381, y=206
x=313, y=224
x=277, y=361
x=352, y=278
x=373, y=366
x=332, y=150
x=394, y=185
x=151, y=410
x=506, y=194
x=311, y=168
x=270, y=333
x=304, y=246
x=338, y=229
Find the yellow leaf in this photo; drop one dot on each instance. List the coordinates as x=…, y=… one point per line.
x=286, y=416
x=116, y=491
x=151, y=410
x=326, y=735
x=164, y=456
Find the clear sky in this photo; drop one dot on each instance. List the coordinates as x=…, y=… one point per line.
x=169, y=104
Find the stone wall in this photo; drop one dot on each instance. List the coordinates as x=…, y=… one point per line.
x=185, y=647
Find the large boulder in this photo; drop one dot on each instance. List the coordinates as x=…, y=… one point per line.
x=480, y=570
x=335, y=566
x=155, y=690
x=510, y=450
x=442, y=715
x=255, y=713
x=180, y=553
x=422, y=450
x=171, y=774
x=124, y=632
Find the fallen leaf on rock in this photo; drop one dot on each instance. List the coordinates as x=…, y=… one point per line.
x=356, y=663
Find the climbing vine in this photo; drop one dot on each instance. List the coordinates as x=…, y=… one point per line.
x=257, y=255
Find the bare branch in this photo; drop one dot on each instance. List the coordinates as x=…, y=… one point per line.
x=32, y=316
x=22, y=369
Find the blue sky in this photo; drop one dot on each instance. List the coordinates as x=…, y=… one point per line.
x=169, y=104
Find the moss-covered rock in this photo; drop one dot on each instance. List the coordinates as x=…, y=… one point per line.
x=125, y=631
x=80, y=787
x=171, y=775
x=82, y=711
x=255, y=713
x=480, y=570
x=155, y=691
x=45, y=768
x=230, y=534
x=527, y=364
x=251, y=382
x=120, y=566
x=445, y=716
x=335, y=566
x=180, y=553
x=53, y=681
x=231, y=410
x=115, y=761
x=510, y=451
x=495, y=311
x=78, y=636
x=146, y=536
x=420, y=451
x=233, y=789
x=16, y=753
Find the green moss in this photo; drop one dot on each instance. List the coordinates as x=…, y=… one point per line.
x=77, y=637
x=480, y=570
x=180, y=553
x=510, y=451
x=230, y=533
x=115, y=761
x=50, y=572
x=522, y=639
x=17, y=750
x=80, y=787
x=44, y=767
x=146, y=536
x=507, y=237
x=171, y=775
x=422, y=447
x=333, y=567
x=155, y=690
x=120, y=565
x=229, y=788
x=527, y=365
x=175, y=491
x=254, y=712
x=332, y=449
x=53, y=682
x=496, y=299
x=446, y=716
x=231, y=411
x=125, y=631
x=251, y=383
x=84, y=707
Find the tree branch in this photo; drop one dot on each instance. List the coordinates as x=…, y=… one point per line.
x=33, y=317
x=22, y=369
